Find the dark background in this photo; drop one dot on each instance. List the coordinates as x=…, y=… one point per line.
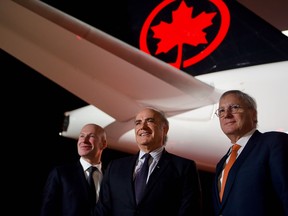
x=33, y=115
x=33, y=106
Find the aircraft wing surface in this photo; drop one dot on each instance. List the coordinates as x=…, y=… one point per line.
x=95, y=66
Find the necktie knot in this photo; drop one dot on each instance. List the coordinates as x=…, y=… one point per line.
x=91, y=169
x=146, y=157
x=235, y=147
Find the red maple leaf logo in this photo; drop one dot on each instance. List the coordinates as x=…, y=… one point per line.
x=184, y=29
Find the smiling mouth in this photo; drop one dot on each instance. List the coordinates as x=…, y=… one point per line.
x=86, y=146
x=144, y=134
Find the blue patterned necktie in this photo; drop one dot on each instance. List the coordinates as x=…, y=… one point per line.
x=141, y=178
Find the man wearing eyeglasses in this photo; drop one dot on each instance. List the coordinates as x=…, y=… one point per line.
x=257, y=182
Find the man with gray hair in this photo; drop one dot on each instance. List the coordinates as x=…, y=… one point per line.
x=257, y=182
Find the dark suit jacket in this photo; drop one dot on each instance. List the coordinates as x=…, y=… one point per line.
x=258, y=181
x=173, y=189
x=67, y=192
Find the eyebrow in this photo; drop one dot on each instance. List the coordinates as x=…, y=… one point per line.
x=147, y=119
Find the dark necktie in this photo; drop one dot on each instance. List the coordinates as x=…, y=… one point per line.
x=141, y=178
x=91, y=183
x=232, y=159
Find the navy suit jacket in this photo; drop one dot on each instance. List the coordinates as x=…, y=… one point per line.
x=257, y=184
x=67, y=192
x=173, y=189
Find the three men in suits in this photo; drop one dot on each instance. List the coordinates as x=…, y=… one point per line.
x=172, y=186
x=257, y=183
x=67, y=191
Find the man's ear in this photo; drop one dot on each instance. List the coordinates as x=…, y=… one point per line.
x=104, y=144
x=166, y=128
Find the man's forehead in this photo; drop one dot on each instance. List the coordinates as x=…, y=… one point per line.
x=87, y=130
x=145, y=114
x=230, y=98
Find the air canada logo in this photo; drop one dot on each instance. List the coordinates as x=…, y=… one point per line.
x=185, y=33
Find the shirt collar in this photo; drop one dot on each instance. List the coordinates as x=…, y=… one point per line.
x=86, y=165
x=244, y=139
x=155, y=154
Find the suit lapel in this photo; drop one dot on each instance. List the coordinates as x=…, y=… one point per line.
x=158, y=171
x=238, y=163
x=219, y=169
x=82, y=181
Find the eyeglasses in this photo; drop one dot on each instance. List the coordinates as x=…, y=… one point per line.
x=233, y=108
